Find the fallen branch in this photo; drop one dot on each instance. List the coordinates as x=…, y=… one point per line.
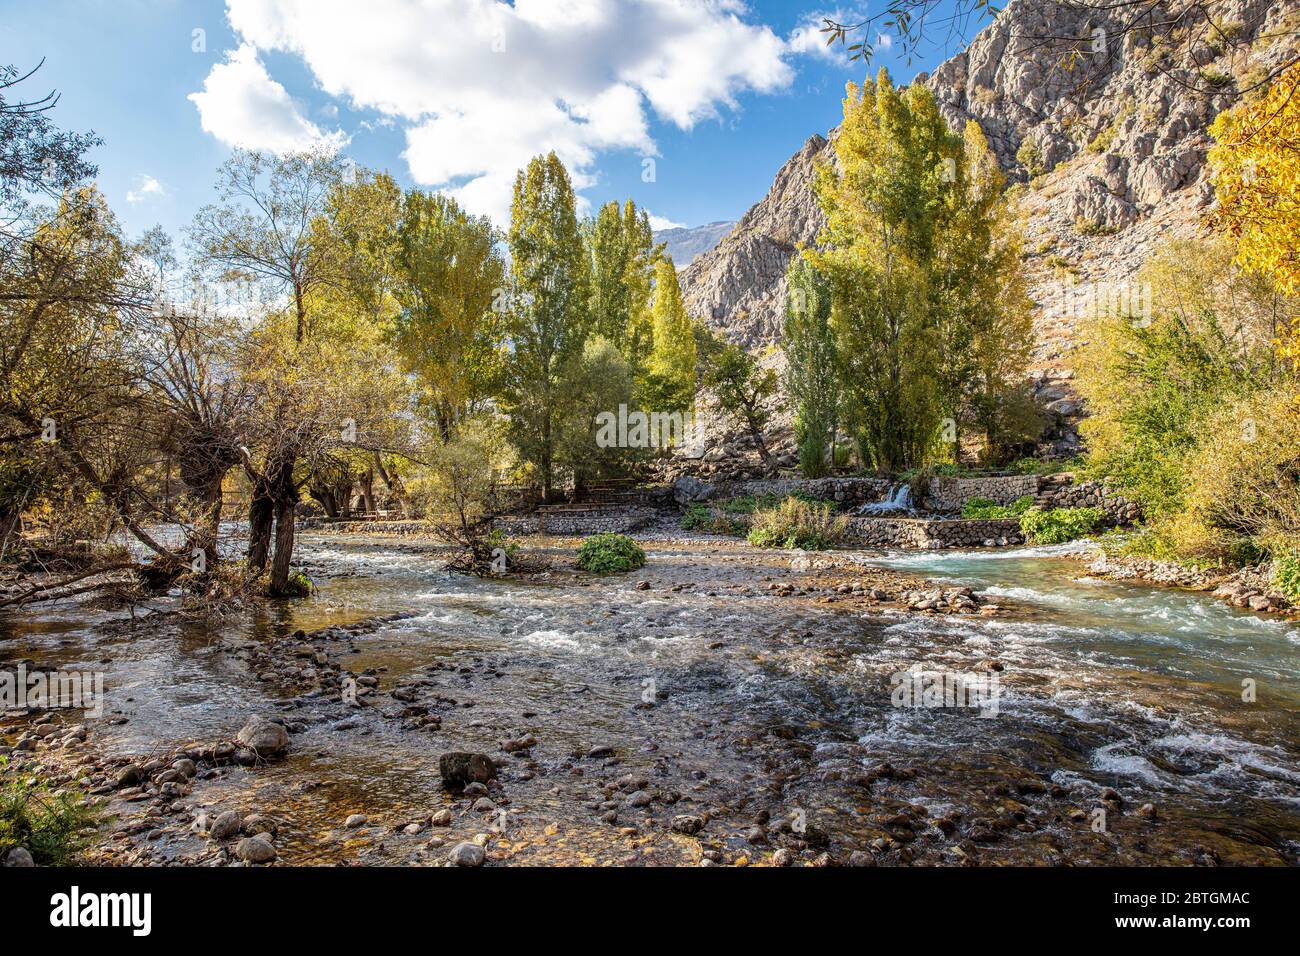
x=40, y=592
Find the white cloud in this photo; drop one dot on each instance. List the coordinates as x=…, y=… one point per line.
x=480, y=86
x=660, y=223
x=884, y=41
x=145, y=186
x=242, y=106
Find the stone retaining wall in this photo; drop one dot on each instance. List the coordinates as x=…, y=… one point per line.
x=562, y=524
x=580, y=523
x=933, y=533
x=398, y=528
x=950, y=494
x=847, y=491
x=1092, y=494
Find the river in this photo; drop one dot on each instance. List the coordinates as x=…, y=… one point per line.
x=733, y=704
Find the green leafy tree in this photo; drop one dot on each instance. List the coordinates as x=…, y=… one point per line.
x=881, y=206
x=811, y=380
x=743, y=389
x=669, y=381
x=623, y=257
x=929, y=313
x=450, y=326
x=549, y=310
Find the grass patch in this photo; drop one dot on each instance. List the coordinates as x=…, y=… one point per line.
x=700, y=517
x=298, y=585
x=1059, y=525
x=610, y=554
x=798, y=523
x=1092, y=227
x=48, y=825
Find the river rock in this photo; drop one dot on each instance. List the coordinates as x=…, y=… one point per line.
x=226, y=825
x=466, y=854
x=687, y=823
x=255, y=849
x=459, y=768
x=19, y=856
x=264, y=737
x=441, y=819
x=356, y=820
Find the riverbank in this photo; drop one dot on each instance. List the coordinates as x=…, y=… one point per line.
x=1247, y=588
x=720, y=706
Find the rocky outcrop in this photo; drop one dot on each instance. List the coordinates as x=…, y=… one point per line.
x=738, y=287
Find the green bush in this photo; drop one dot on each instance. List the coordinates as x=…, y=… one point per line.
x=299, y=585
x=48, y=825
x=1245, y=552
x=1030, y=156
x=798, y=523
x=609, y=554
x=1059, y=524
x=700, y=517
x=1286, y=575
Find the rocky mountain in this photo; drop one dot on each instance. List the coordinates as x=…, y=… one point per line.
x=686, y=244
x=737, y=287
x=1109, y=150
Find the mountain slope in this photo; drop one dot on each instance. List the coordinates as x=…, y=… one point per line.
x=1116, y=157
x=737, y=287
x=686, y=244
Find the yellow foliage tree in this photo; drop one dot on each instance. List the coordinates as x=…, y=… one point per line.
x=1256, y=169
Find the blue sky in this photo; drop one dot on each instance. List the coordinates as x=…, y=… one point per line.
x=447, y=94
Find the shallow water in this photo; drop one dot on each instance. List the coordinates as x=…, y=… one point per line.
x=760, y=703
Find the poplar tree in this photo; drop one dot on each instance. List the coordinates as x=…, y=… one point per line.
x=670, y=381
x=929, y=314
x=449, y=328
x=811, y=380
x=623, y=257
x=549, y=321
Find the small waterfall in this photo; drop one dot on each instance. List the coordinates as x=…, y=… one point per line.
x=899, y=501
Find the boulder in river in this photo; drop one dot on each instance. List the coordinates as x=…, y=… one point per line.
x=265, y=737
x=459, y=768
x=466, y=854
x=226, y=825
x=255, y=849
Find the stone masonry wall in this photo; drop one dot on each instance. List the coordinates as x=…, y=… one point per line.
x=949, y=494
x=847, y=491
x=927, y=534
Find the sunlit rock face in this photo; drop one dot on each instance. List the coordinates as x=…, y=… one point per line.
x=1116, y=164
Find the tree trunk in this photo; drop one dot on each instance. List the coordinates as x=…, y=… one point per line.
x=9, y=527
x=394, y=487
x=285, y=496
x=261, y=512
x=301, y=310
x=284, y=532
x=368, y=491
x=209, y=529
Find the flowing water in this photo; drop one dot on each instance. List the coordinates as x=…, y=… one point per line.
x=735, y=704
